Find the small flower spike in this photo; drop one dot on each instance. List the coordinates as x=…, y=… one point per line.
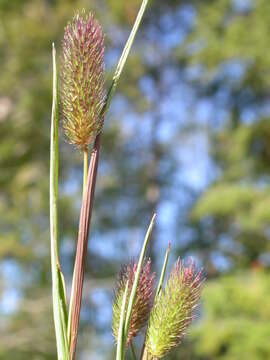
x=173, y=310
x=143, y=300
x=82, y=80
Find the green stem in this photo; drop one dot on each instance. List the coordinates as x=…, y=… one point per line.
x=58, y=285
x=137, y=276
x=133, y=351
x=85, y=168
x=144, y=354
x=120, y=351
x=163, y=271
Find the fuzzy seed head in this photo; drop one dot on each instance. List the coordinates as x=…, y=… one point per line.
x=143, y=300
x=82, y=80
x=173, y=310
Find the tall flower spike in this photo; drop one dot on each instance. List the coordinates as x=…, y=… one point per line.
x=82, y=80
x=143, y=300
x=173, y=310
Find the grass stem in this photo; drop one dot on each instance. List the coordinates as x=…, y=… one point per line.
x=82, y=247
x=58, y=285
x=85, y=168
x=133, y=351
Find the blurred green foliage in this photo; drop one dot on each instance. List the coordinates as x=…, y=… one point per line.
x=234, y=33
x=236, y=320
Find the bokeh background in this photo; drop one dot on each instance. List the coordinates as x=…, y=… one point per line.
x=187, y=136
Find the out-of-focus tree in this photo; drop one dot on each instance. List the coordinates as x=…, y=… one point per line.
x=228, y=49
x=235, y=324
x=230, y=62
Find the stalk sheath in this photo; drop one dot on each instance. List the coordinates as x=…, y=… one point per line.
x=82, y=246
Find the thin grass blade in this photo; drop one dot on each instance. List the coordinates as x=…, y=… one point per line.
x=133, y=351
x=58, y=286
x=120, y=340
x=163, y=271
x=137, y=276
x=123, y=57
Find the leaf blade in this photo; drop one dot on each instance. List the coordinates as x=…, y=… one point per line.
x=137, y=276
x=121, y=331
x=124, y=56
x=163, y=271
x=58, y=286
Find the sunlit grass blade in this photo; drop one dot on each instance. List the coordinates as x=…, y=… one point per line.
x=58, y=286
x=123, y=57
x=137, y=277
x=121, y=332
x=163, y=271
x=133, y=351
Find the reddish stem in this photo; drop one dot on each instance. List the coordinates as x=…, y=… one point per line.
x=82, y=244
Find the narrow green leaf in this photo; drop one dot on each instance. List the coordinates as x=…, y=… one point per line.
x=120, y=340
x=133, y=351
x=123, y=57
x=137, y=276
x=163, y=271
x=63, y=298
x=58, y=286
